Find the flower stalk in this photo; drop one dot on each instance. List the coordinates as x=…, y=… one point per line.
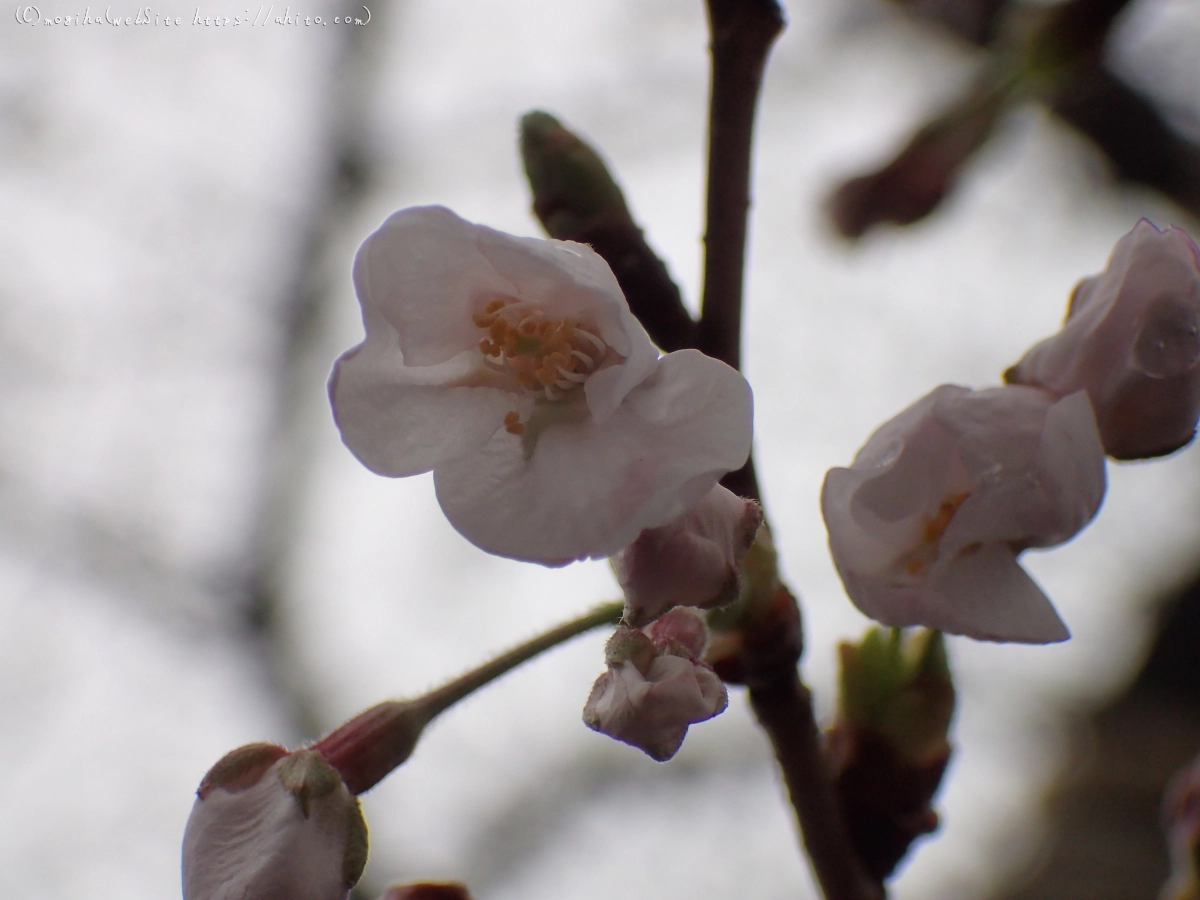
x=375, y=742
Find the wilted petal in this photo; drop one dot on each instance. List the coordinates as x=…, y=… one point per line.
x=273, y=827
x=513, y=368
x=1132, y=341
x=693, y=560
x=926, y=524
x=648, y=701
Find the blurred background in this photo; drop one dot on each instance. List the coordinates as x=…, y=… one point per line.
x=190, y=560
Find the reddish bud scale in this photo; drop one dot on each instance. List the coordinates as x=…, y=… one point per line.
x=885, y=799
x=428, y=890
x=765, y=649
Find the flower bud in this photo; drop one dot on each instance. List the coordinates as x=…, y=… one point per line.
x=1132, y=341
x=758, y=640
x=694, y=560
x=916, y=181
x=272, y=825
x=1181, y=819
x=428, y=890
x=572, y=186
x=889, y=744
x=576, y=198
x=656, y=685
x=899, y=686
x=926, y=524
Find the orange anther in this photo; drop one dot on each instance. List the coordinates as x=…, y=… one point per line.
x=512, y=423
x=936, y=526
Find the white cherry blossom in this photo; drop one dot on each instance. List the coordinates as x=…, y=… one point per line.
x=926, y=524
x=513, y=369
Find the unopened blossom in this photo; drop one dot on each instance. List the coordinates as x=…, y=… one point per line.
x=926, y=524
x=1181, y=819
x=1132, y=341
x=273, y=825
x=428, y=890
x=694, y=560
x=512, y=368
x=656, y=685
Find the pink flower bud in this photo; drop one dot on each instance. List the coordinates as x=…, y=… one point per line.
x=926, y=524
x=1132, y=341
x=655, y=686
x=1181, y=819
x=694, y=560
x=428, y=890
x=273, y=825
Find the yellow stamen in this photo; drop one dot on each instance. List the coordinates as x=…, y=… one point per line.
x=936, y=526
x=547, y=356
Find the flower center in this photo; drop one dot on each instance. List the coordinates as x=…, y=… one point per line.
x=926, y=552
x=548, y=358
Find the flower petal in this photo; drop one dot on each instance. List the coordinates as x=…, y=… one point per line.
x=423, y=273
x=400, y=420
x=587, y=488
x=1132, y=341
x=693, y=560
x=653, y=712
x=269, y=841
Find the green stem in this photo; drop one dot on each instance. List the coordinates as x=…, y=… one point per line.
x=375, y=742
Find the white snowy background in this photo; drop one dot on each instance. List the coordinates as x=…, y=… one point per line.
x=190, y=560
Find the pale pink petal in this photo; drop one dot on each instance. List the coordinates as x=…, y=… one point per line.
x=403, y=421
x=653, y=711
x=1132, y=341
x=693, y=560
x=683, y=630
x=422, y=271
x=982, y=593
x=925, y=525
x=264, y=842
x=587, y=488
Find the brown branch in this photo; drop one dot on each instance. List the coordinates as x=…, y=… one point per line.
x=784, y=709
x=742, y=33
x=1133, y=134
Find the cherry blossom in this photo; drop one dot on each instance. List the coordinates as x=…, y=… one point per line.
x=656, y=685
x=273, y=825
x=694, y=560
x=926, y=524
x=1132, y=341
x=512, y=368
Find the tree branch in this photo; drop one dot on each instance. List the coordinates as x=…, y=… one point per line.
x=742, y=33
x=784, y=709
